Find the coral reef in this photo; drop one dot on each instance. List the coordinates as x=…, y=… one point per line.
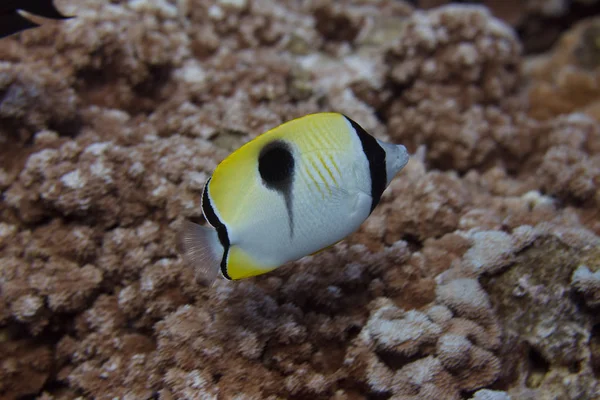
x=567, y=80
x=538, y=22
x=477, y=277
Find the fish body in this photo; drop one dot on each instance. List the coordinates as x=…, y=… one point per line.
x=12, y=21
x=292, y=191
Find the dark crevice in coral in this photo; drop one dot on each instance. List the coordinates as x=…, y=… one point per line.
x=538, y=367
x=94, y=86
x=378, y=396
x=335, y=27
x=53, y=386
x=22, y=133
x=88, y=78
x=575, y=368
x=57, y=328
x=17, y=132
x=413, y=241
x=540, y=33
x=578, y=298
x=307, y=396
x=217, y=377
x=15, y=331
x=358, y=390
x=444, y=162
x=588, y=52
x=17, y=148
x=595, y=350
x=334, y=353
x=147, y=331
x=395, y=361
x=159, y=77
x=68, y=128
x=353, y=331
x=3, y=93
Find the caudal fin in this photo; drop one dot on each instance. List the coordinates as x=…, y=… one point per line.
x=200, y=248
x=13, y=21
x=43, y=8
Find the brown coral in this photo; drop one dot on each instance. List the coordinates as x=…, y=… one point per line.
x=112, y=122
x=451, y=67
x=392, y=338
x=26, y=367
x=588, y=284
x=539, y=22
x=567, y=80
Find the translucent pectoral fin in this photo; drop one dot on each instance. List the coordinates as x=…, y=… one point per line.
x=332, y=194
x=200, y=248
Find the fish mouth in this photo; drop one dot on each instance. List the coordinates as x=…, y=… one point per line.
x=396, y=158
x=401, y=157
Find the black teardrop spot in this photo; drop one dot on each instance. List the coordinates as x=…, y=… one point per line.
x=276, y=168
x=276, y=165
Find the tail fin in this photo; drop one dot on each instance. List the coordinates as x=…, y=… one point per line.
x=200, y=248
x=12, y=21
x=43, y=8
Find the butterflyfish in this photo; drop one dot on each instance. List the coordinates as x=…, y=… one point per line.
x=12, y=19
x=290, y=192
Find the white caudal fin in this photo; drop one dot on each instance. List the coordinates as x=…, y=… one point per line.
x=200, y=248
x=396, y=157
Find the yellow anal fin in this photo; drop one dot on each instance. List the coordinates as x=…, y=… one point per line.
x=241, y=265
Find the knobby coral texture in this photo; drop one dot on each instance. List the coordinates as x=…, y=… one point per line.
x=476, y=278
x=539, y=22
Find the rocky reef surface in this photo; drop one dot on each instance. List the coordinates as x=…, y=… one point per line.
x=478, y=277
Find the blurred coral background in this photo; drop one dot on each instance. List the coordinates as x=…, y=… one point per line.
x=478, y=276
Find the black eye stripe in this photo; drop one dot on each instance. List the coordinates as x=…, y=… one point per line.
x=211, y=217
x=377, y=164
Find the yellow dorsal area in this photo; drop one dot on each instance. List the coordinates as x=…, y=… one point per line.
x=236, y=179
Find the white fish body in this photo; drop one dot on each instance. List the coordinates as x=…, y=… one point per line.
x=288, y=193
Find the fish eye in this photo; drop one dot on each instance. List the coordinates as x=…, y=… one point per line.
x=276, y=163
